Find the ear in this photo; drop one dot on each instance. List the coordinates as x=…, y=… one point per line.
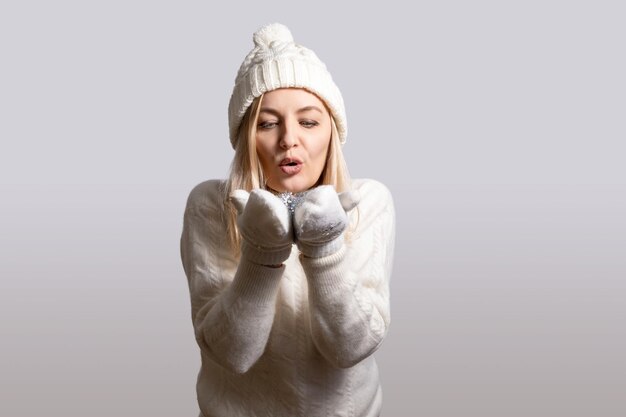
x=349, y=199
x=239, y=198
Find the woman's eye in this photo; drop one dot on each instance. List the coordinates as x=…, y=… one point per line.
x=267, y=125
x=309, y=123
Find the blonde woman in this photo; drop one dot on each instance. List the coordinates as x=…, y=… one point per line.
x=288, y=261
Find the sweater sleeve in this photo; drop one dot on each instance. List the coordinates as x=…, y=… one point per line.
x=232, y=312
x=349, y=290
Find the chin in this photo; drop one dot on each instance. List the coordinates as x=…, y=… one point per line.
x=294, y=185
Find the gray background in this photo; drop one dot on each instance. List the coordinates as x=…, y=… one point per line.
x=498, y=126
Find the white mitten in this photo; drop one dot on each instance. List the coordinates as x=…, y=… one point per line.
x=320, y=220
x=265, y=226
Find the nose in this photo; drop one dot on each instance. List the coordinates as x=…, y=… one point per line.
x=288, y=137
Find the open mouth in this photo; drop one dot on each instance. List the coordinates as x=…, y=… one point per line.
x=290, y=162
x=290, y=166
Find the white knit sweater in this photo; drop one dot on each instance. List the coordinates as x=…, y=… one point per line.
x=295, y=340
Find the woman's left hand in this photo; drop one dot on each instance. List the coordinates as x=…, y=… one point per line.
x=321, y=219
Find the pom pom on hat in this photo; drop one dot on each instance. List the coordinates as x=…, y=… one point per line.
x=270, y=33
x=276, y=61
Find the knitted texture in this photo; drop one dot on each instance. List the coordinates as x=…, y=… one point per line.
x=276, y=61
x=321, y=219
x=265, y=225
x=296, y=340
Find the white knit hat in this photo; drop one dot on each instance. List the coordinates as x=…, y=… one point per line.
x=277, y=62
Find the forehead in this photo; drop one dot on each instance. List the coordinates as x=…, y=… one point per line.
x=291, y=98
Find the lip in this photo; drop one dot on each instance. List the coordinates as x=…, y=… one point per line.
x=290, y=166
x=286, y=161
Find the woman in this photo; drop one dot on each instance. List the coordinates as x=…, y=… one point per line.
x=288, y=261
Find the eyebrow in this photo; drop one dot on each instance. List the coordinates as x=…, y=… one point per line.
x=302, y=110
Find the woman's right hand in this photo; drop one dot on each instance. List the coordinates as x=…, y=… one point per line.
x=265, y=226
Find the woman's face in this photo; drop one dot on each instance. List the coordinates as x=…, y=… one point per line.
x=292, y=138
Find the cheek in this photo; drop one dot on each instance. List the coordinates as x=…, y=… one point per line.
x=319, y=155
x=263, y=151
x=321, y=147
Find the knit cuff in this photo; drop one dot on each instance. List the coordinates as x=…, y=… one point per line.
x=321, y=250
x=326, y=274
x=264, y=256
x=254, y=283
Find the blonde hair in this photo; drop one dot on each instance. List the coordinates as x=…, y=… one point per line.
x=246, y=171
